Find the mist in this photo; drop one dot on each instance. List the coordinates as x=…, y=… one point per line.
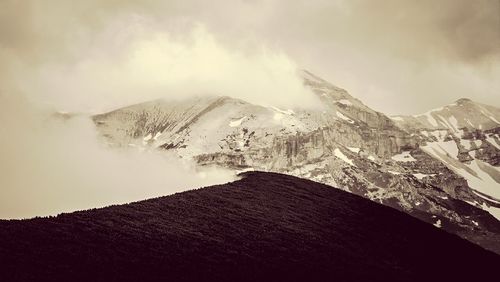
x=51, y=165
x=86, y=66
x=88, y=57
x=152, y=64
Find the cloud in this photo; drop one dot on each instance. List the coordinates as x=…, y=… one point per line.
x=52, y=165
x=398, y=56
x=61, y=58
x=360, y=45
x=155, y=64
x=452, y=30
x=125, y=54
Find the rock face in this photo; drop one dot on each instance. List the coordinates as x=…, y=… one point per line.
x=441, y=167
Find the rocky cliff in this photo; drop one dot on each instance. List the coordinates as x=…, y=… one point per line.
x=442, y=167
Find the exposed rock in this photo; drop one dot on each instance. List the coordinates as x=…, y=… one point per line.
x=422, y=165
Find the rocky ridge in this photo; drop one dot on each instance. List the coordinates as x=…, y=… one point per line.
x=404, y=162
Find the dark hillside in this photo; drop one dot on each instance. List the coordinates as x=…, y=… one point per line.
x=263, y=227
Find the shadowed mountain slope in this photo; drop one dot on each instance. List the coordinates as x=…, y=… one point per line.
x=266, y=226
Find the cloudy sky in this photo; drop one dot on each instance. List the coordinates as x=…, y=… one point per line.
x=398, y=56
x=91, y=56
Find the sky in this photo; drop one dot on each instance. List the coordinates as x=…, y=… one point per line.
x=397, y=56
x=92, y=56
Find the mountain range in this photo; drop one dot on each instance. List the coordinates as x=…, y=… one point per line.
x=263, y=227
x=442, y=167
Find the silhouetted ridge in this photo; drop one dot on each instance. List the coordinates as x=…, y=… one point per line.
x=266, y=226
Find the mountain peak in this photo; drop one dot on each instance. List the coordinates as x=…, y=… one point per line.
x=463, y=101
x=463, y=113
x=309, y=76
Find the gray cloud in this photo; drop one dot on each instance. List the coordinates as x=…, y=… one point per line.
x=467, y=30
x=450, y=29
x=397, y=56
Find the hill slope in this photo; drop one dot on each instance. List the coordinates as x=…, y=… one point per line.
x=265, y=226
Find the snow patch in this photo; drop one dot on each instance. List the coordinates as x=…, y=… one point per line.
x=465, y=143
x=343, y=157
x=342, y=116
x=492, y=210
x=237, y=122
x=494, y=119
x=353, y=149
x=345, y=102
x=245, y=170
x=158, y=134
x=403, y=157
x=478, y=143
x=482, y=181
x=421, y=176
x=278, y=116
x=287, y=112
x=438, y=223
x=493, y=142
x=448, y=148
x=439, y=134
x=454, y=123
x=489, y=115
x=446, y=123
x=431, y=119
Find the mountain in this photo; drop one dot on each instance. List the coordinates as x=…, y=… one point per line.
x=465, y=136
x=396, y=161
x=263, y=227
x=464, y=114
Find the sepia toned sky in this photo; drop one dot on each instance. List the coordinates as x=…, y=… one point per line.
x=92, y=56
x=397, y=56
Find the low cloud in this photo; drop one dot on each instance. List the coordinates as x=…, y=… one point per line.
x=400, y=57
x=51, y=165
x=57, y=62
x=142, y=62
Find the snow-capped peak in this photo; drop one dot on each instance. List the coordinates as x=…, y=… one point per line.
x=462, y=114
